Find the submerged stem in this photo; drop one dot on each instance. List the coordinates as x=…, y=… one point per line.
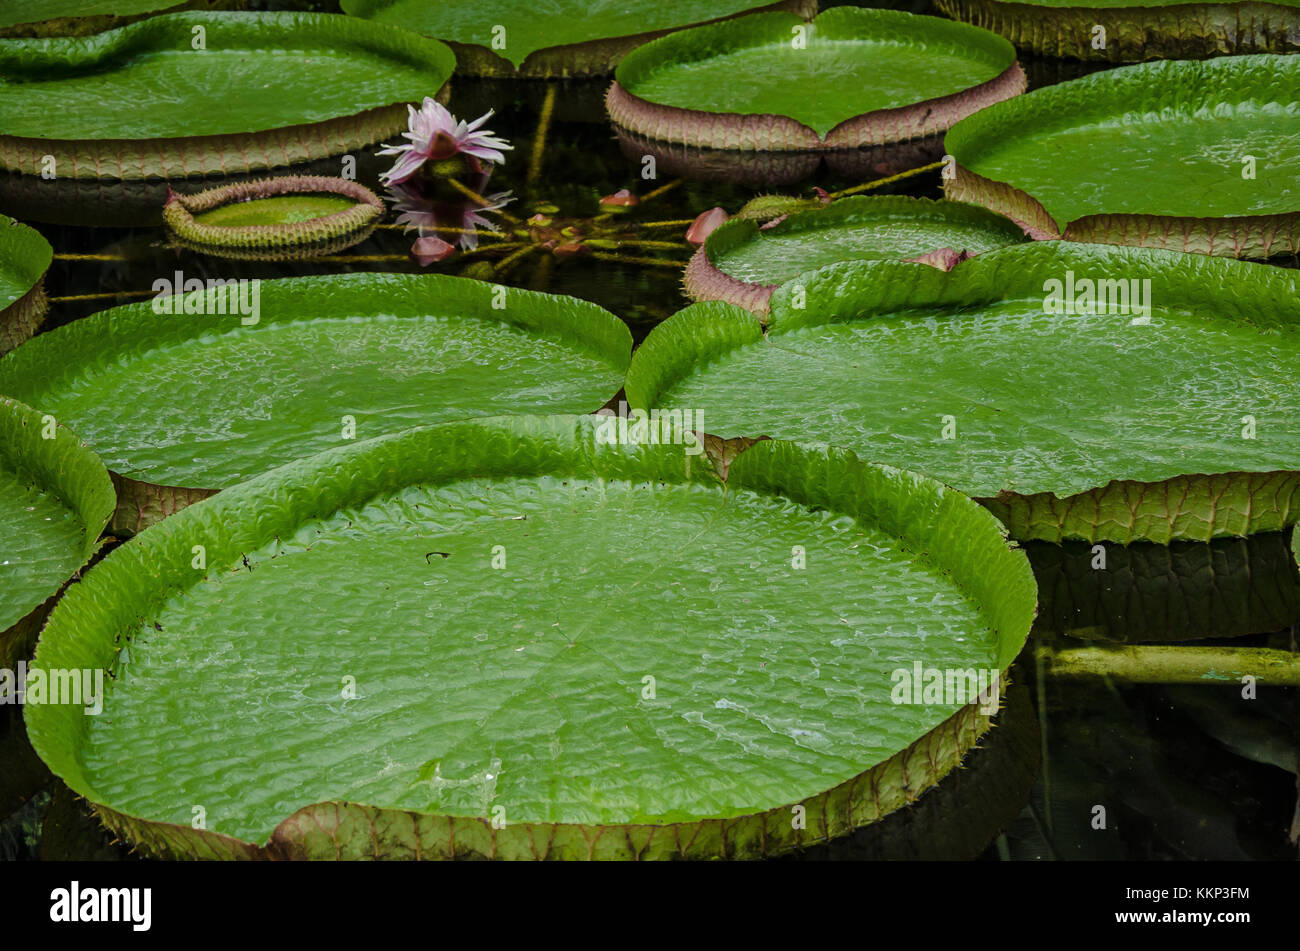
x=885, y=181
x=1168, y=664
x=539, y=140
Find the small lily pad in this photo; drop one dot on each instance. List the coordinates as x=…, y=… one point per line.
x=274, y=219
x=743, y=262
x=25, y=256
x=1194, y=156
x=392, y=701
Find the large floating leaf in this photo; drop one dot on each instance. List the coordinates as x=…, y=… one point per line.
x=25, y=256
x=1197, y=156
x=1133, y=30
x=857, y=77
x=55, y=498
x=352, y=674
x=142, y=101
x=1121, y=424
x=742, y=263
x=205, y=400
x=551, y=37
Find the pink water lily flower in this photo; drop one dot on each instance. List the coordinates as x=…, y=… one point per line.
x=436, y=134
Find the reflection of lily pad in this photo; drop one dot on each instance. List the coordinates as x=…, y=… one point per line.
x=552, y=38
x=55, y=498
x=201, y=401
x=1147, y=592
x=1137, y=29
x=288, y=217
x=25, y=256
x=434, y=720
x=853, y=78
x=1167, y=413
x=743, y=263
x=308, y=86
x=1195, y=156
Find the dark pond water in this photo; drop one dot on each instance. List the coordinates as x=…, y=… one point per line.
x=1183, y=771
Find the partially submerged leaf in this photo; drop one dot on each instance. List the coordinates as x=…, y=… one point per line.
x=383, y=702
x=1165, y=413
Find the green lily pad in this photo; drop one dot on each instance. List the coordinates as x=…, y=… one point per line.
x=1132, y=30
x=391, y=700
x=1226, y=130
x=308, y=85
x=742, y=262
x=288, y=217
x=282, y=209
x=55, y=499
x=25, y=256
x=201, y=401
x=1168, y=414
x=551, y=37
x=851, y=78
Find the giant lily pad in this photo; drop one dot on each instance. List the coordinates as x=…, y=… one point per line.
x=1132, y=30
x=743, y=262
x=25, y=256
x=55, y=499
x=1196, y=156
x=552, y=38
x=459, y=702
x=851, y=79
x=228, y=384
x=1166, y=412
x=308, y=86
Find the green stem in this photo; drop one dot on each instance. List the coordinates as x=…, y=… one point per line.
x=539, y=140
x=1170, y=664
